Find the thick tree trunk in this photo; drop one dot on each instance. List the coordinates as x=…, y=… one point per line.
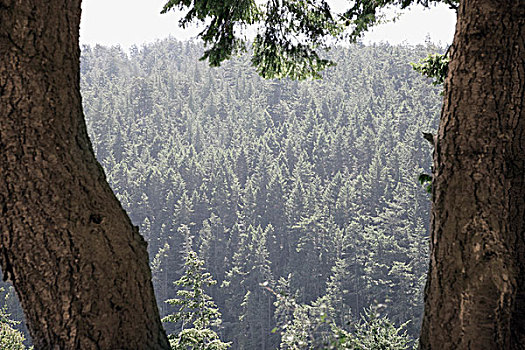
x=79, y=266
x=475, y=293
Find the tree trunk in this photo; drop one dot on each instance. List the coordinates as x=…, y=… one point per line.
x=79, y=266
x=475, y=293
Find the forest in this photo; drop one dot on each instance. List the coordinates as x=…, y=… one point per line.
x=302, y=191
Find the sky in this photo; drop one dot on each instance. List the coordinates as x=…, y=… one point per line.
x=136, y=22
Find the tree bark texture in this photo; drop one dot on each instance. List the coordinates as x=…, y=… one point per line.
x=475, y=292
x=79, y=266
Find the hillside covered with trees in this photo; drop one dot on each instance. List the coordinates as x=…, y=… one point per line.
x=308, y=186
x=305, y=189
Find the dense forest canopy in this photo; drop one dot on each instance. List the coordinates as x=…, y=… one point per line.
x=311, y=182
x=308, y=186
x=81, y=268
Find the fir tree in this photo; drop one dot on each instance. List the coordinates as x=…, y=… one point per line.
x=197, y=313
x=10, y=337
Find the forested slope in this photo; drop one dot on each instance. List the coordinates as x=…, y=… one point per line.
x=314, y=182
x=308, y=186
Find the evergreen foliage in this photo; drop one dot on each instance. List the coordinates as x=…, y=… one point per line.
x=10, y=337
x=314, y=182
x=289, y=34
x=433, y=66
x=313, y=326
x=372, y=333
x=196, y=312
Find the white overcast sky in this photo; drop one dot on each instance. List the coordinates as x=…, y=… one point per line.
x=129, y=22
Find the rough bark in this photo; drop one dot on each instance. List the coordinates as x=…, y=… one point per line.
x=79, y=266
x=475, y=293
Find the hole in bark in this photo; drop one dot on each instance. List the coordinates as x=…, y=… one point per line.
x=95, y=218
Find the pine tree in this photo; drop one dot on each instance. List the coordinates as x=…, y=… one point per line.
x=10, y=338
x=250, y=269
x=159, y=270
x=196, y=311
x=372, y=333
